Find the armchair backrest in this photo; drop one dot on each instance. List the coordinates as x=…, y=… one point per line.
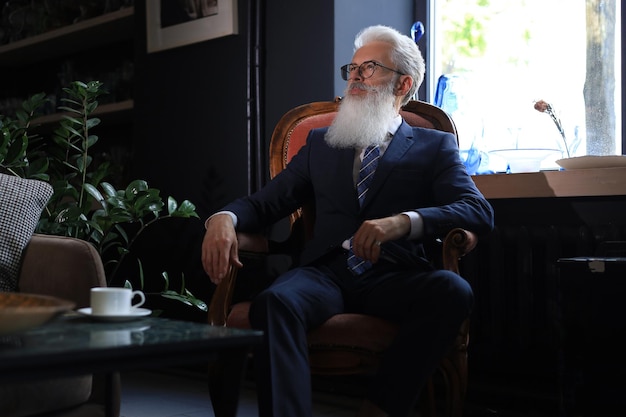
x=293, y=128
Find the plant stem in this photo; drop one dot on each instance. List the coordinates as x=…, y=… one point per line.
x=85, y=150
x=559, y=126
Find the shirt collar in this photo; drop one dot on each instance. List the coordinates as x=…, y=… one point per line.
x=394, y=125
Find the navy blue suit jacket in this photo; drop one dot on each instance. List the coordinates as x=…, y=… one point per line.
x=420, y=170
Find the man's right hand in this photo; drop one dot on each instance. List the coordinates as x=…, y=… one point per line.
x=220, y=247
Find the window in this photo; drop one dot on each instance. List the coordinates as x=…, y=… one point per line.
x=500, y=56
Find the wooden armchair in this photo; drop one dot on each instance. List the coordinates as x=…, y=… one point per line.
x=350, y=343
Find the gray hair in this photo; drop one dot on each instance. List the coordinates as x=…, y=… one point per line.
x=404, y=53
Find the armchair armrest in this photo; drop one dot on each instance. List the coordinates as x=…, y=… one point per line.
x=223, y=295
x=457, y=243
x=61, y=266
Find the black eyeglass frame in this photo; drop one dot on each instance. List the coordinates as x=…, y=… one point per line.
x=347, y=69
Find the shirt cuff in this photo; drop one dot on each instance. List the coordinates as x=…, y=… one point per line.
x=417, y=224
x=230, y=213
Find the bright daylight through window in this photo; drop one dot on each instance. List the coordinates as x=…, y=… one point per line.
x=491, y=61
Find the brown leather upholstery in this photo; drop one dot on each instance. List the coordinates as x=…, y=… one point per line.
x=350, y=343
x=67, y=268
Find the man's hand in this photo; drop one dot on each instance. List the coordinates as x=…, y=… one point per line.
x=372, y=233
x=220, y=247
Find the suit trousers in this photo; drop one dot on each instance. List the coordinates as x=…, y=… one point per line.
x=428, y=305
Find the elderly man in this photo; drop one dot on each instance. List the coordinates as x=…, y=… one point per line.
x=366, y=254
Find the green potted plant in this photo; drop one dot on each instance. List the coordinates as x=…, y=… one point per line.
x=84, y=205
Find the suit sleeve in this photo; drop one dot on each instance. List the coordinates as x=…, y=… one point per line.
x=458, y=202
x=281, y=196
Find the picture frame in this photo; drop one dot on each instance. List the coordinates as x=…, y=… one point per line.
x=188, y=22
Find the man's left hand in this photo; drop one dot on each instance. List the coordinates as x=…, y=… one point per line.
x=372, y=233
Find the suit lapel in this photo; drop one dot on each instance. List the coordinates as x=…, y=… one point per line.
x=344, y=182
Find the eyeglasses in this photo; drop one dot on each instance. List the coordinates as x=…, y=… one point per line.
x=366, y=69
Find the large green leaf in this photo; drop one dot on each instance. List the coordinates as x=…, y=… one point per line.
x=74, y=131
x=108, y=189
x=135, y=187
x=172, y=205
x=91, y=107
x=116, y=202
x=22, y=116
x=185, y=298
x=93, y=122
x=142, y=207
x=102, y=171
x=83, y=162
x=120, y=216
x=186, y=209
x=93, y=191
x=16, y=153
x=71, y=110
x=37, y=168
x=91, y=140
x=5, y=139
x=34, y=103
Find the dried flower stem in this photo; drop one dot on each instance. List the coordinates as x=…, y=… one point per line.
x=545, y=107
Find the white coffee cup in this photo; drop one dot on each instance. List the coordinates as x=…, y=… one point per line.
x=114, y=301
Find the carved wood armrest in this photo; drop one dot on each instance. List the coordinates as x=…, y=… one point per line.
x=458, y=243
x=250, y=242
x=222, y=297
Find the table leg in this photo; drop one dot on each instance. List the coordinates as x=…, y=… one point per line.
x=108, y=395
x=225, y=378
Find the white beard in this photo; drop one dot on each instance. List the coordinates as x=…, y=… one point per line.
x=363, y=121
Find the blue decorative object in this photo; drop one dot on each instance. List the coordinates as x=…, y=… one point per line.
x=417, y=31
x=445, y=95
x=471, y=159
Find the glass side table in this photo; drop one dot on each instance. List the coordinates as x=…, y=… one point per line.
x=75, y=345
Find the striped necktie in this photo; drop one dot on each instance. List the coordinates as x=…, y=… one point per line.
x=366, y=173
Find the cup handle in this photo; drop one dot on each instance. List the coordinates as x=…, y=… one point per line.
x=141, y=295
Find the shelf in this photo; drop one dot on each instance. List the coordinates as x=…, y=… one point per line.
x=91, y=33
x=111, y=114
x=572, y=183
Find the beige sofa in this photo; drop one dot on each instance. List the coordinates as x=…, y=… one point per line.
x=66, y=268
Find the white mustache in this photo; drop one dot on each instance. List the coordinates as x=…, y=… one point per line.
x=361, y=86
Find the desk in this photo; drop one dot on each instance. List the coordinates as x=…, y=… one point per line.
x=75, y=345
x=573, y=183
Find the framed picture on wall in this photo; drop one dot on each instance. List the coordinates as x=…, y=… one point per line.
x=174, y=23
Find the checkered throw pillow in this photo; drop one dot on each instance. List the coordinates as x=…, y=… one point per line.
x=21, y=204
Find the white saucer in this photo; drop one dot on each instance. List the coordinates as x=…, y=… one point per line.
x=134, y=314
x=593, y=161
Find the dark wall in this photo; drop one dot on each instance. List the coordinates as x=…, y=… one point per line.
x=191, y=119
x=298, y=57
x=193, y=136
